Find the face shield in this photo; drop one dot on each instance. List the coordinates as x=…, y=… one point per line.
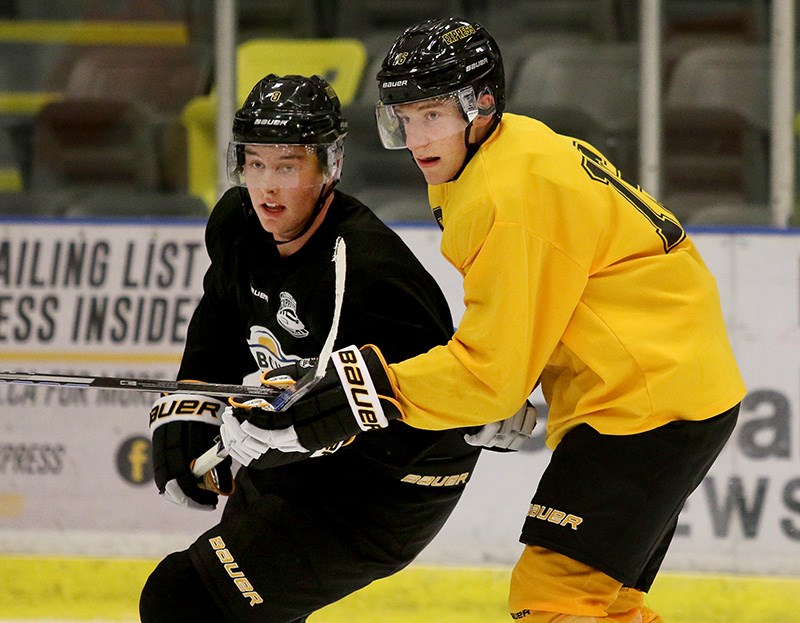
x=268, y=166
x=402, y=126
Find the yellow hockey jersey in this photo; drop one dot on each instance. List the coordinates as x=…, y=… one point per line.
x=575, y=279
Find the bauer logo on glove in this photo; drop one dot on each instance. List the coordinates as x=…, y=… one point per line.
x=186, y=407
x=359, y=389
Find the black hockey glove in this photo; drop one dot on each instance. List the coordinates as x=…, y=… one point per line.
x=355, y=395
x=183, y=427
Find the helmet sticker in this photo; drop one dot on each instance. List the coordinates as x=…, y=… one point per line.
x=457, y=34
x=400, y=58
x=394, y=83
x=271, y=121
x=477, y=64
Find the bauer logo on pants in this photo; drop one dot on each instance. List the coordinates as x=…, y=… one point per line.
x=545, y=513
x=232, y=569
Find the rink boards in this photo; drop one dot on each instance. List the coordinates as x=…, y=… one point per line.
x=115, y=299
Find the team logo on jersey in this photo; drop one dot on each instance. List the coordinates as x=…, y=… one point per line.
x=267, y=350
x=287, y=316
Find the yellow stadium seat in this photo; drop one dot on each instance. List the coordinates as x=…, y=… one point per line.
x=94, y=32
x=340, y=61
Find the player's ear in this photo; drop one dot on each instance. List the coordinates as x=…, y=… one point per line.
x=486, y=115
x=486, y=105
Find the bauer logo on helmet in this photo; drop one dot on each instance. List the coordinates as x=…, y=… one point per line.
x=476, y=64
x=271, y=122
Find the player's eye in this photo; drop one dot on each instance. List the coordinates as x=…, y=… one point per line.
x=432, y=115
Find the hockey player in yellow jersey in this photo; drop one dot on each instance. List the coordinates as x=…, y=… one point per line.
x=576, y=280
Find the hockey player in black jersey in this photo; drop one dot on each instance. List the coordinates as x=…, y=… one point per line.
x=297, y=535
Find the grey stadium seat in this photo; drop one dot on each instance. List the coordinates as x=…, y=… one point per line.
x=588, y=91
x=716, y=123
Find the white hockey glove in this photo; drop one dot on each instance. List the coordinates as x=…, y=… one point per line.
x=184, y=426
x=507, y=435
x=246, y=442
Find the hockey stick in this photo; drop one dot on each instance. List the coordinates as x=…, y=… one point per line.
x=213, y=456
x=142, y=385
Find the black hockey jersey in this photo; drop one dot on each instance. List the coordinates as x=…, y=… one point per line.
x=261, y=311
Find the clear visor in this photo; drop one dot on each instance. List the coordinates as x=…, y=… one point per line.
x=406, y=125
x=275, y=166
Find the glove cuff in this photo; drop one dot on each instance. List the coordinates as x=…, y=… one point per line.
x=366, y=384
x=187, y=408
x=379, y=371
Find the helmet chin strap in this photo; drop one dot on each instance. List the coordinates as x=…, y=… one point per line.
x=472, y=148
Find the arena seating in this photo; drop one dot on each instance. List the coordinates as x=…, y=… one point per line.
x=571, y=63
x=716, y=127
x=588, y=91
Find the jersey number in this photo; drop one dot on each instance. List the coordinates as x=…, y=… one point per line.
x=667, y=227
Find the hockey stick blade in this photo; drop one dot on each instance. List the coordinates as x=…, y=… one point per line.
x=143, y=385
x=215, y=455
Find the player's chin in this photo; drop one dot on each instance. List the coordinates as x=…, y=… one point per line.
x=435, y=176
x=271, y=220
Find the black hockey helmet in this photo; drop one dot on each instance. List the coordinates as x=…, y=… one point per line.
x=292, y=110
x=441, y=56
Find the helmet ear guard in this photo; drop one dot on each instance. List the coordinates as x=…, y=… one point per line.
x=485, y=111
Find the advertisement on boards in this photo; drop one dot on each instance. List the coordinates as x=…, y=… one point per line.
x=111, y=300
